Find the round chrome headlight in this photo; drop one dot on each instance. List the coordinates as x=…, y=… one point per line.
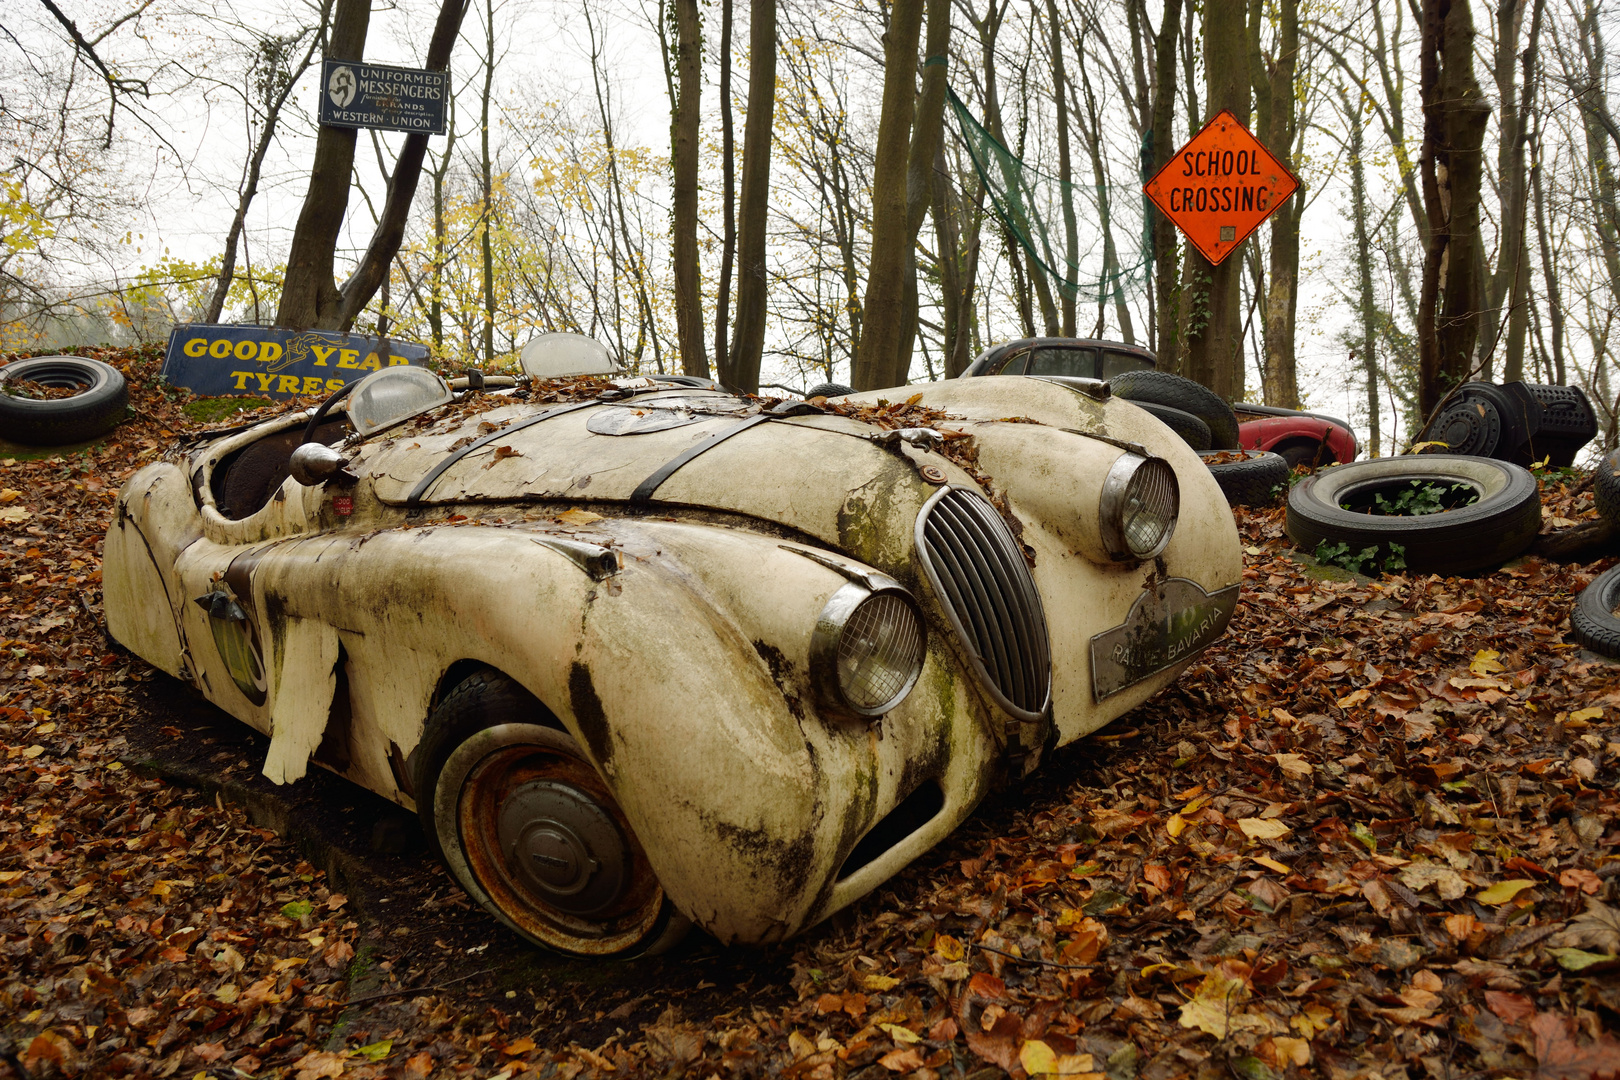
x=867, y=650
x=1140, y=501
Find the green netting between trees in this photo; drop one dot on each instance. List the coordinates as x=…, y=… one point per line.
x=1112, y=256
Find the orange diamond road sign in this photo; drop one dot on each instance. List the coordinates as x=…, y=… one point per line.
x=1220, y=186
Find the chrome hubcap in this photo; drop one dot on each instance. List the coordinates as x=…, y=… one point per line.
x=563, y=844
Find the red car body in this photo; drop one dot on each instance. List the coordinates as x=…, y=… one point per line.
x=1301, y=438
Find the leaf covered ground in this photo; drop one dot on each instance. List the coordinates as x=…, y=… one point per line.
x=1373, y=831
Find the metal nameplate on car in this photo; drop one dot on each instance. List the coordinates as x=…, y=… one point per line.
x=1167, y=625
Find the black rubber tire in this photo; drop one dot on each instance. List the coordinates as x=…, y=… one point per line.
x=828, y=389
x=1592, y=621
x=489, y=700
x=1193, y=431
x=1252, y=481
x=1501, y=523
x=1306, y=454
x=99, y=405
x=1606, y=486
x=1163, y=388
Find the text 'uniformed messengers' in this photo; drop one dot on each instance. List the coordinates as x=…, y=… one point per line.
x=354, y=94
x=1220, y=186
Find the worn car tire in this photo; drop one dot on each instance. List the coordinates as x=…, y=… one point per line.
x=1305, y=453
x=1606, y=486
x=828, y=389
x=1593, y=621
x=488, y=755
x=1499, y=524
x=1193, y=431
x=1163, y=388
x=1252, y=480
x=100, y=401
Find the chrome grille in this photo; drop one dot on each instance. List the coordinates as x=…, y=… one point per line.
x=977, y=569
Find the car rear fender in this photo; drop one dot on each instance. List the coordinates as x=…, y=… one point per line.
x=153, y=522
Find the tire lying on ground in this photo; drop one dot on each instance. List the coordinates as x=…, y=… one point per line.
x=1247, y=477
x=99, y=400
x=1163, y=388
x=1191, y=429
x=1489, y=512
x=1606, y=486
x=1593, y=621
x=828, y=389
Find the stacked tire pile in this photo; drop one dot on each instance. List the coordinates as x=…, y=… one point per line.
x=1518, y=422
x=58, y=400
x=1595, y=619
x=1208, y=424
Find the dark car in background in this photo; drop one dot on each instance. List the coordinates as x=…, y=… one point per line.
x=1073, y=358
x=1300, y=438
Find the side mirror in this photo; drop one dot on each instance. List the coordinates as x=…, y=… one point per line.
x=315, y=463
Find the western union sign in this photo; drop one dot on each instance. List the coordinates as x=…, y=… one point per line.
x=376, y=96
x=217, y=361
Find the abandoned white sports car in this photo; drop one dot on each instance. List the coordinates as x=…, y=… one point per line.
x=642, y=652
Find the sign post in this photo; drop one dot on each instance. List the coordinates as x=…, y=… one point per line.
x=376, y=96
x=1220, y=186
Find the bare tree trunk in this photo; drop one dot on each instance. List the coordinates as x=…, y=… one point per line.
x=1168, y=343
x=441, y=170
x=1215, y=350
x=752, y=282
x=634, y=265
x=486, y=209
x=877, y=358
x=1455, y=115
x=1519, y=315
x=1274, y=92
x=1367, y=310
x=728, y=206
x=683, y=142
x=1509, y=281
x=1549, y=269
x=1071, y=231
x=1110, y=283
x=279, y=87
x=926, y=134
x=309, y=299
x=1189, y=66
x=1598, y=125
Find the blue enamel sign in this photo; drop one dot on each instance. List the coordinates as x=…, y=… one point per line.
x=377, y=96
x=218, y=361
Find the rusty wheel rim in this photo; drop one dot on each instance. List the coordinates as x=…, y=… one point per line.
x=546, y=844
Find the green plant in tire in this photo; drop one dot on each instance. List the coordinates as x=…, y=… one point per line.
x=1419, y=498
